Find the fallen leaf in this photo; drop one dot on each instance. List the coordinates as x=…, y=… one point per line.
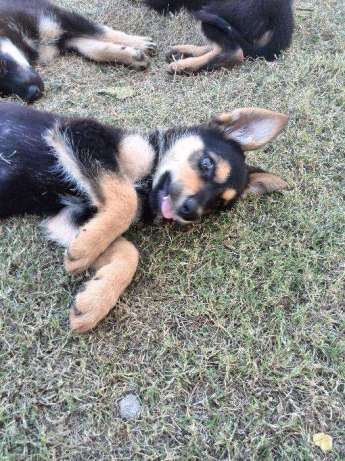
x=121, y=92
x=324, y=441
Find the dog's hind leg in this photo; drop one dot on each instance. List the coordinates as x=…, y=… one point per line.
x=115, y=213
x=213, y=59
x=100, y=51
x=186, y=51
x=145, y=44
x=115, y=269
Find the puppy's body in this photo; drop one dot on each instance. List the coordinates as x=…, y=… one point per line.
x=237, y=28
x=37, y=31
x=93, y=181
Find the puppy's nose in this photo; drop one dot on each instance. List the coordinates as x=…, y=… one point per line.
x=188, y=210
x=33, y=92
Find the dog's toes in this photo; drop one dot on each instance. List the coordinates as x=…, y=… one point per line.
x=173, y=55
x=139, y=60
x=177, y=68
x=81, y=322
x=150, y=48
x=176, y=55
x=91, y=305
x=84, y=314
x=76, y=265
x=145, y=44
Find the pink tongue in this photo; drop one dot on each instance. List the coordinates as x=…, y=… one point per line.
x=166, y=208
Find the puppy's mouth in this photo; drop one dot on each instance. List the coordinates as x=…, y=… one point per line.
x=165, y=204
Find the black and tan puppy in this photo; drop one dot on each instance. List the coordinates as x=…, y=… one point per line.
x=236, y=29
x=37, y=31
x=94, y=181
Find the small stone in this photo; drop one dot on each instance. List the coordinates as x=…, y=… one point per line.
x=129, y=407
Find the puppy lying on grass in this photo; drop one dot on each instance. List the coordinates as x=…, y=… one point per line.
x=37, y=31
x=235, y=29
x=93, y=181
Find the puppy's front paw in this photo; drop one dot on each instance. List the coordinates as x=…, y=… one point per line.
x=78, y=259
x=90, y=307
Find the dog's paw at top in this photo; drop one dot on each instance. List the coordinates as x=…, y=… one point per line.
x=145, y=44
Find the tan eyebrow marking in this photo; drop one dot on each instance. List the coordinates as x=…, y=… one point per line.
x=229, y=194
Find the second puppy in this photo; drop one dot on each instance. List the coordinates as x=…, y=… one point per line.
x=236, y=29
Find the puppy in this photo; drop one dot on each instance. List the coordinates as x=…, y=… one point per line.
x=36, y=31
x=93, y=181
x=236, y=29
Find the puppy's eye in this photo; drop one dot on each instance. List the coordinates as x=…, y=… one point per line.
x=206, y=166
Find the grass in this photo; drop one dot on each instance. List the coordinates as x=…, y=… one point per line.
x=232, y=334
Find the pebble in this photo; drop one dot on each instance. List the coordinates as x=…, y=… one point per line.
x=129, y=407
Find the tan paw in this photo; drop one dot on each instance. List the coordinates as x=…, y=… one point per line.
x=78, y=259
x=139, y=60
x=89, y=308
x=145, y=44
x=177, y=67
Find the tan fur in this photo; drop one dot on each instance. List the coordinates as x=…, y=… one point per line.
x=198, y=62
x=177, y=158
x=264, y=183
x=115, y=269
x=229, y=194
x=194, y=64
x=115, y=214
x=191, y=181
x=49, y=33
x=120, y=38
x=136, y=157
x=108, y=52
x=191, y=50
x=251, y=127
x=223, y=170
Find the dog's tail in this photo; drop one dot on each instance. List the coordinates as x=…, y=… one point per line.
x=278, y=36
x=173, y=6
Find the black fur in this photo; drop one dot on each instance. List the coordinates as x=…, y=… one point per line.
x=21, y=26
x=19, y=23
x=239, y=23
x=36, y=178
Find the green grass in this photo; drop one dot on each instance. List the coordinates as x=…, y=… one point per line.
x=232, y=334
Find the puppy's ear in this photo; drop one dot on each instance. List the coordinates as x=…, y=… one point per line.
x=250, y=127
x=262, y=182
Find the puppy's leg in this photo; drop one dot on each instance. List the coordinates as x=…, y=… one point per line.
x=115, y=269
x=213, y=59
x=145, y=44
x=101, y=51
x=186, y=51
x=115, y=213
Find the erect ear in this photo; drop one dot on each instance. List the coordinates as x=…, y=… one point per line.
x=251, y=127
x=261, y=182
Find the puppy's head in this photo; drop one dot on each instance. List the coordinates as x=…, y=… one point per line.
x=17, y=75
x=204, y=168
